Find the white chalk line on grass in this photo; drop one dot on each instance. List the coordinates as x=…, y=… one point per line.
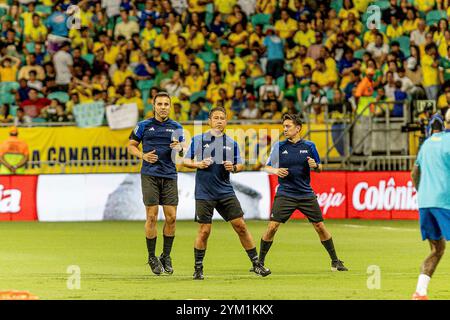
x=356, y=226
x=300, y=275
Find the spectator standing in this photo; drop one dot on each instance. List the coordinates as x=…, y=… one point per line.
x=126, y=27
x=63, y=65
x=14, y=153
x=275, y=53
x=430, y=70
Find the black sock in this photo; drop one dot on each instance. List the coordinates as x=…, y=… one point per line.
x=151, y=245
x=265, y=246
x=328, y=244
x=252, y=254
x=167, y=248
x=199, y=254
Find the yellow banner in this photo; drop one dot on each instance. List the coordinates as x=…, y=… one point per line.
x=99, y=150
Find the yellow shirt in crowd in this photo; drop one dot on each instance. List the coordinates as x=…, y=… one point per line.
x=36, y=33
x=305, y=38
x=430, y=74
x=8, y=74
x=286, y=28
x=194, y=84
x=120, y=76
x=166, y=44
x=224, y=6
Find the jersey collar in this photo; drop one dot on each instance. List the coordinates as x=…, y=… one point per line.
x=159, y=122
x=294, y=143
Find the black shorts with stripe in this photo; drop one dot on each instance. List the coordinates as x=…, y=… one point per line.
x=283, y=208
x=228, y=208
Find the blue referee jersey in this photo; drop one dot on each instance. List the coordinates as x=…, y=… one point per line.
x=213, y=183
x=293, y=156
x=156, y=135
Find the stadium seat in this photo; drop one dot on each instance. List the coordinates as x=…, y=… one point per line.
x=89, y=58
x=358, y=54
x=30, y=47
x=261, y=18
x=209, y=18
x=13, y=110
x=434, y=16
x=144, y=85
x=148, y=107
x=61, y=96
x=258, y=82
x=2, y=12
x=165, y=56
x=38, y=120
x=6, y=96
x=383, y=4
x=337, y=5
x=207, y=56
x=305, y=93
x=210, y=8
x=141, y=6
x=404, y=43
x=44, y=9
x=197, y=95
x=330, y=94
x=281, y=81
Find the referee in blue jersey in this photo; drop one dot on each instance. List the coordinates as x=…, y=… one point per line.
x=215, y=155
x=292, y=160
x=161, y=140
x=431, y=177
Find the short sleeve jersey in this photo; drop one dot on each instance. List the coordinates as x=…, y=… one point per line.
x=294, y=157
x=434, y=163
x=156, y=135
x=213, y=183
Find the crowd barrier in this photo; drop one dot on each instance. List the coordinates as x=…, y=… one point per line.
x=99, y=197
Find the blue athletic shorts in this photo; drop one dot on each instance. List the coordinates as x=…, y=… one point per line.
x=435, y=223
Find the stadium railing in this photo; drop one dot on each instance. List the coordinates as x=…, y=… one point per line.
x=386, y=146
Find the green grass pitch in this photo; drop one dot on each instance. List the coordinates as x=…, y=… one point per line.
x=112, y=257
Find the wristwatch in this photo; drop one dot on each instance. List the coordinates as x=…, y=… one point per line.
x=234, y=168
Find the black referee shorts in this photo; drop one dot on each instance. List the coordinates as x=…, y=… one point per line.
x=283, y=208
x=228, y=208
x=159, y=191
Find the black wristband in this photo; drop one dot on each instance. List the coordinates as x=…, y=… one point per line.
x=234, y=168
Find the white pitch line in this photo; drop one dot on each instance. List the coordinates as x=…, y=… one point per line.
x=355, y=226
x=399, y=229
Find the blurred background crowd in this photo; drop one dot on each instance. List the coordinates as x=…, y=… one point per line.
x=256, y=58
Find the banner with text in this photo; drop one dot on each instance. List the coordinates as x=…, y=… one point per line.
x=122, y=116
x=94, y=150
x=18, y=198
x=362, y=195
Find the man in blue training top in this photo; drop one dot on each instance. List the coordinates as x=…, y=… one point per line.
x=292, y=160
x=215, y=156
x=161, y=140
x=431, y=177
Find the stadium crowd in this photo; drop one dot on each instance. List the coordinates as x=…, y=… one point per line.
x=256, y=58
